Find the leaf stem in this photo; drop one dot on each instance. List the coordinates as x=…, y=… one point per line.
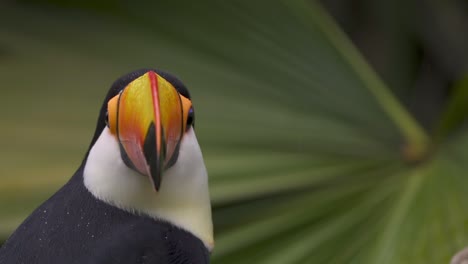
x=416, y=139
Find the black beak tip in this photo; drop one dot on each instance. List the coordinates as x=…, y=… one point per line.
x=156, y=181
x=153, y=158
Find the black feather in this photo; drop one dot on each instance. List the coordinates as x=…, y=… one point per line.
x=74, y=227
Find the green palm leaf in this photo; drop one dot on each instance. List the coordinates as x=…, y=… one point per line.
x=311, y=158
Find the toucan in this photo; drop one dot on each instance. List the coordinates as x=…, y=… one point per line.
x=141, y=192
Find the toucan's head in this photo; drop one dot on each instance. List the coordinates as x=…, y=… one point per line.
x=148, y=112
x=149, y=116
x=145, y=156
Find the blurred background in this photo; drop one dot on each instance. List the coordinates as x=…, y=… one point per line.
x=333, y=131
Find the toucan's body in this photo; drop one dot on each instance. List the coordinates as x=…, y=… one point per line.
x=74, y=227
x=109, y=212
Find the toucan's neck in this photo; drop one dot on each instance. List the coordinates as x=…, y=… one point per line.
x=183, y=198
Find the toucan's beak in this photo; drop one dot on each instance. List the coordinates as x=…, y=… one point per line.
x=147, y=118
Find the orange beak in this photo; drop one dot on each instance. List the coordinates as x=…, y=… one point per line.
x=148, y=118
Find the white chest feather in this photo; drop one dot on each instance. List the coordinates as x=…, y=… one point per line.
x=183, y=198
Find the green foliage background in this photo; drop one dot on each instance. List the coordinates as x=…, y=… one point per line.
x=312, y=159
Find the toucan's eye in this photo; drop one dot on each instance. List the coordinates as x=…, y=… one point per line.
x=190, y=118
x=107, y=119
